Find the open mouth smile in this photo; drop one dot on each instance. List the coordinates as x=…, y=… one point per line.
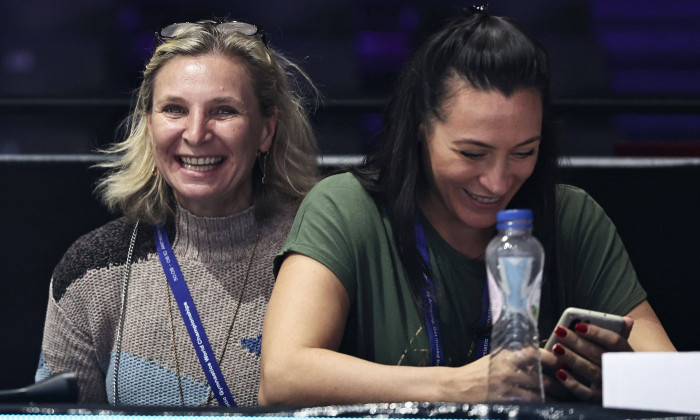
x=200, y=163
x=483, y=199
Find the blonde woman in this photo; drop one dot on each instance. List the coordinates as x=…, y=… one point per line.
x=164, y=306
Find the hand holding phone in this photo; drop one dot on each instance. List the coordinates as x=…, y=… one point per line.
x=573, y=316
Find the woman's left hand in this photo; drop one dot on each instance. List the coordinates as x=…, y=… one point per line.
x=574, y=367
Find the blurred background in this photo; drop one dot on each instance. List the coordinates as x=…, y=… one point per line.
x=626, y=75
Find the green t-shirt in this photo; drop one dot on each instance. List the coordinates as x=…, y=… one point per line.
x=340, y=225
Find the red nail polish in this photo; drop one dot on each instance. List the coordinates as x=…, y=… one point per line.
x=581, y=327
x=562, y=375
x=558, y=349
x=560, y=331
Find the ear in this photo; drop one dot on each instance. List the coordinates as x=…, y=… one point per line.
x=268, y=132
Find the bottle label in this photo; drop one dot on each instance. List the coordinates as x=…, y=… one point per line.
x=516, y=290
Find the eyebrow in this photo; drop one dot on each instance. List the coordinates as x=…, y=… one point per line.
x=216, y=101
x=169, y=98
x=226, y=99
x=488, y=146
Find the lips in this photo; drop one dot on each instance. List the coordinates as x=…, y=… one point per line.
x=483, y=199
x=200, y=163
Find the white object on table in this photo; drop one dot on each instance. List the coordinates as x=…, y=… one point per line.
x=652, y=381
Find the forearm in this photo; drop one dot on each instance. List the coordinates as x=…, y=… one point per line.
x=647, y=333
x=319, y=377
x=301, y=364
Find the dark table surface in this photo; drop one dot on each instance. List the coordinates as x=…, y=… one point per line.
x=411, y=410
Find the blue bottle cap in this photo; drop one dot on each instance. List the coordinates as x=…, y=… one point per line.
x=514, y=214
x=504, y=218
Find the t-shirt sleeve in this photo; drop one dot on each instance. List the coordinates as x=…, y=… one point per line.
x=333, y=225
x=596, y=268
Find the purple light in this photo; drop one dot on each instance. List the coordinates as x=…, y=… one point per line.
x=20, y=61
x=377, y=44
x=644, y=8
x=629, y=42
x=657, y=81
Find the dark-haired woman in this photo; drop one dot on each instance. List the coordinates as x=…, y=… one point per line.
x=465, y=135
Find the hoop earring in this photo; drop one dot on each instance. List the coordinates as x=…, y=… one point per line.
x=263, y=167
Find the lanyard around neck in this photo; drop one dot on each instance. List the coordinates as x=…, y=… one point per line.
x=432, y=318
x=189, y=314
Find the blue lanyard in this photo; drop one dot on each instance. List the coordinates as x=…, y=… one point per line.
x=429, y=302
x=189, y=314
x=430, y=308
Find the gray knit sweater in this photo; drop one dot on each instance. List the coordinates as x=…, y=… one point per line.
x=213, y=253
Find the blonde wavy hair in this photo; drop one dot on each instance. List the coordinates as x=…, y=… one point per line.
x=290, y=168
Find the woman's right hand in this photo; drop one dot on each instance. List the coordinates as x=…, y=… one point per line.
x=468, y=383
x=508, y=377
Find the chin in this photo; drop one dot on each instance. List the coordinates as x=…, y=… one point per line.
x=480, y=220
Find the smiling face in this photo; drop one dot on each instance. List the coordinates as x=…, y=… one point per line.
x=478, y=157
x=206, y=131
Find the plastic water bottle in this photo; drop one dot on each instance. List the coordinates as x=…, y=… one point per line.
x=514, y=261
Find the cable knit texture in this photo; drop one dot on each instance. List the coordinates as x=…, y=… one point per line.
x=213, y=253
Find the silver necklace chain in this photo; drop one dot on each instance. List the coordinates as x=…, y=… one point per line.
x=120, y=325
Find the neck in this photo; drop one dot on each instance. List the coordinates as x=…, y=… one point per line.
x=217, y=207
x=465, y=239
x=215, y=239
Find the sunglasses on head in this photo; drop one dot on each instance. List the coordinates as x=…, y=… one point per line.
x=224, y=27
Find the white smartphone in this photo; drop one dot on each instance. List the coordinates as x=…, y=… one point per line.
x=573, y=316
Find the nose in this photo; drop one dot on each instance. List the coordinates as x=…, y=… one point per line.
x=495, y=178
x=197, y=130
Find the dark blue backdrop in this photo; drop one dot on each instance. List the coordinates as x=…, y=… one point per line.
x=353, y=50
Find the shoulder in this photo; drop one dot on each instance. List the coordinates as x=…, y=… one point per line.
x=581, y=221
x=345, y=181
x=338, y=210
x=336, y=219
x=339, y=200
x=341, y=189
x=102, y=248
x=573, y=204
x=569, y=193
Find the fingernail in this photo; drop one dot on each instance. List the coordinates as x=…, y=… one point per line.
x=562, y=375
x=582, y=328
x=558, y=349
x=560, y=331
